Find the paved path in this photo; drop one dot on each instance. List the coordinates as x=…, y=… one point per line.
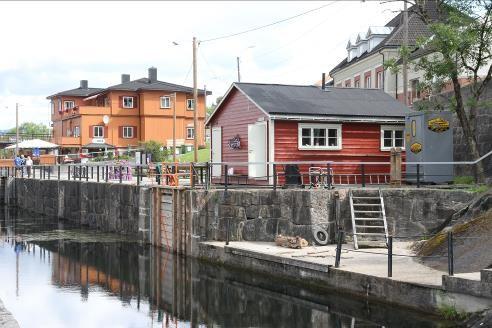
x=6, y=318
x=370, y=261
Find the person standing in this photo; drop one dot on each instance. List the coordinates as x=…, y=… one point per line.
x=29, y=166
x=18, y=164
x=23, y=165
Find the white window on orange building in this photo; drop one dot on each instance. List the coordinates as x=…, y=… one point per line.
x=190, y=104
x=98, y=131
x=190, y=133
x=128, y=132
x=127, y=102
x=165, y=102
x=68, y=104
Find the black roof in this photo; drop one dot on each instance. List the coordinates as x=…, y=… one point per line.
x=78, y=92
x=145, y=84
x=311, y=100
x=417, y=28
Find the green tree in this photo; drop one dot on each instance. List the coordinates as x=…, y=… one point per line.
x=460, y=44
x=211, y=108
x=31, y=128
x=156, y=149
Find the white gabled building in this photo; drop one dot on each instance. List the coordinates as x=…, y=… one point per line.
x=367, y=52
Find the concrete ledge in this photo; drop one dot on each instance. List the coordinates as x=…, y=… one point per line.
x=428, y=299
x=472, y=287
x=276, y=259
x=486, y=275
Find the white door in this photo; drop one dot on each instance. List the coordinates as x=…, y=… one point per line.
x=216, y=150
x=257, y=150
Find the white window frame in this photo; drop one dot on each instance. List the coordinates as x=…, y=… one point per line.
x=311, y=126
x=126, y=134
x=380, y=81
x=60, y=105
x=188, y=102
x=123, y=102
x=168, y=102
x=367, y=85
x=52, y=107
x=392, y=128
x=96, y=128
x=66, y=104
x=192, y=133
x=76, y=131
x=357, y=83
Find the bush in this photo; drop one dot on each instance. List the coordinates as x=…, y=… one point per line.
x=465, y=179
x=154, y=149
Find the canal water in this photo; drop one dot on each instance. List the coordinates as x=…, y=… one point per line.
x=53, y=274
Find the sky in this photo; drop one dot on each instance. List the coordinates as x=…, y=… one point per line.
x=47, y=47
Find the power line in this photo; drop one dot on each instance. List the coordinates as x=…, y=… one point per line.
x=292, y=41
x=188, y=73
x=268, y=25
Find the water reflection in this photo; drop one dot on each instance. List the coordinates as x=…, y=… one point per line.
x=62, y=282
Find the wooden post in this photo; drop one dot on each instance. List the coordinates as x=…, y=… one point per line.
x=395, y=167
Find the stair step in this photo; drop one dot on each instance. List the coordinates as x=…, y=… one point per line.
x=364, y=197
x=358, y=211
x=373, y=204
x=369, y=219
x=370, y=234
x=366, y=226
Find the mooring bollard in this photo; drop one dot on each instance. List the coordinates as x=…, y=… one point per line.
x=339, y=248
x=58, y=166
x=107, y=174
x=120, y=173
x=450, y=254
x=68, y=172
x=86, y=173
x=418, y=175
x=390, y=256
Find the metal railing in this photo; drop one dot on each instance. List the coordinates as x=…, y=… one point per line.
x=303, y=174
x=11, y=137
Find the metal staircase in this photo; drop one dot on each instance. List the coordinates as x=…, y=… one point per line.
x=368, y=217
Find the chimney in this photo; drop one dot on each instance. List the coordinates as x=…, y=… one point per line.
x=323, y=81
x=125, y=78
x=152, y=75
x=84, y=84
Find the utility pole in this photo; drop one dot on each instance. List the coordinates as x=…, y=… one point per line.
x=174, y=127
x=16, y=128
x=405, y=45
x=195, y=103
x=238, y=71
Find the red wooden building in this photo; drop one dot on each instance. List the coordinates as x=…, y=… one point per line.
x=291, y=123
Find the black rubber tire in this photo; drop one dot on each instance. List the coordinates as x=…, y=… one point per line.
x=320, y=236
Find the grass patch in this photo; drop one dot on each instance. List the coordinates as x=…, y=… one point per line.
x=203, y=156
x=465, y=179
x=428, y=247
x=479, y=189
x=449, y=312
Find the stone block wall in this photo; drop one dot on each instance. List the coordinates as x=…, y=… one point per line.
x=259, y=215
x=107, y=207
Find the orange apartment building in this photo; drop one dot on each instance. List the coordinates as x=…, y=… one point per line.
x=94, y=119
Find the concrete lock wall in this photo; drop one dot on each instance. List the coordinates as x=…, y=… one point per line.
x=119, y=208
x=259, y=215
